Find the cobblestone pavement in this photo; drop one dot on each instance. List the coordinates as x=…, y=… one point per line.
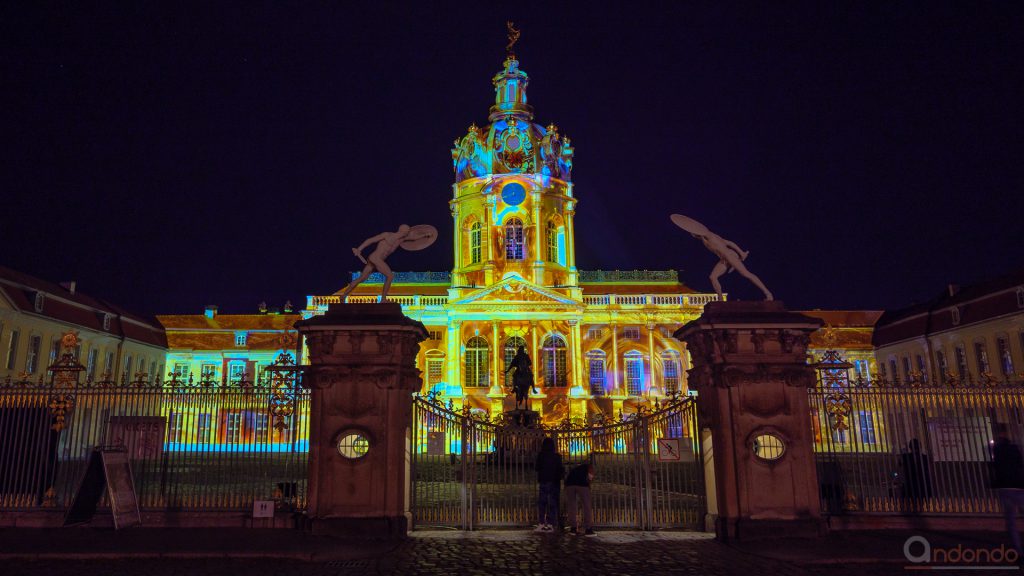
x=507, y=553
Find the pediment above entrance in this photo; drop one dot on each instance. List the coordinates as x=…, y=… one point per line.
x=514, y=291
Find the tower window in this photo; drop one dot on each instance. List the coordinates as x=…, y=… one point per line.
x=555, y=361
x=474, y=243
x=515, y=248
x=552, y=237
x=476, y=362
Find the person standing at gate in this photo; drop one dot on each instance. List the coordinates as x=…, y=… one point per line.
x=549, y=480
x=1008, y=479
x=577, y=492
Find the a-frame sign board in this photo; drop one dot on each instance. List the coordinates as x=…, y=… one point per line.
x=108, y=468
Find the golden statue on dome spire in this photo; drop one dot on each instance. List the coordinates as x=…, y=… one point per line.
x=513, y=37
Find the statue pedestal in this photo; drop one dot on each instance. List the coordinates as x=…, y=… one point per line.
x=750, y=370
x=521, y=418
x=362, y=375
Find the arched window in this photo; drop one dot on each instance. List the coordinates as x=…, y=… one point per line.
x=595, y=365
x=552, y=236
x=476, y=362
x=511, y=345
x=515, y=248
x=474, y=243
x=634, y=373
x=554, y=355
x=670, y=364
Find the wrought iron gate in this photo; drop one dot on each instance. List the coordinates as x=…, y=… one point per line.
x=468, y=472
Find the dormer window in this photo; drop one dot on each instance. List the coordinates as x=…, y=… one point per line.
x=1020, y=297
x=40, y=300
x=106, y=321
x=515, y=248
x=240, y=338
x=955, y=311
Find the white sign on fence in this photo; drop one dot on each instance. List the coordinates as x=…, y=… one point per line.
x=959, y=439
x=669, y=450
x=263, y=509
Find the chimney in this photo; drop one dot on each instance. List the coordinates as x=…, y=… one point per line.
x=69, y=286
x=263, y=307
x=211, y=311
x=953, y=289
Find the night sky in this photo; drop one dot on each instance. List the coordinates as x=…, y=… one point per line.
x=168, y=156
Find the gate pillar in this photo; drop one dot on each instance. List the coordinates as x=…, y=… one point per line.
x=751, y=374
x=362, y=374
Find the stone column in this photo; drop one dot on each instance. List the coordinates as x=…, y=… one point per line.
x=751, y=374
x=362, y=374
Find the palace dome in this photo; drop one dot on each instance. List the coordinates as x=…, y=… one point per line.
x=512, y=143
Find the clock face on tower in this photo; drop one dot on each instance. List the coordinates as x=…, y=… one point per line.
x=513, y=193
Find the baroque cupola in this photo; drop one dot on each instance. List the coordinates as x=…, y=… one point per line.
x=513, y=201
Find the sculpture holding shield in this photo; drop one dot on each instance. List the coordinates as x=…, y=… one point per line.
x=730, y=255
x=410, y=238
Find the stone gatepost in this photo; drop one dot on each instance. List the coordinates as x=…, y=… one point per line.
x=751, y=374
x=362, y=373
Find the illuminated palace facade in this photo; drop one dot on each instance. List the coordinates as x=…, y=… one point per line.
x=600, y=341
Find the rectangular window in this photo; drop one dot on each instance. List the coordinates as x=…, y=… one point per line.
x=981, y=356
x=126, y=374
x=867, y=427
x=108, y=366
x=595, y=333
x=32, y=358
x=90, y=367
x=262, y=424
x=922, y=369
x=203, y=428
x=597, y=376
x=236, y=371
x=907, y=371
x=12, y=349
x=940, y=359
x=631, y=333
x=862, y=369
x=233, y=428
x=208, y=371
x=435, y=371
x=671, y=376
x=177, y=429
x=961, y=361
x=634, y=376
x=434, y=334
x=54, y=352
x=892, y=368
x=153, y=376
x=240, y=338
x=1005, y=359
x=181, y=371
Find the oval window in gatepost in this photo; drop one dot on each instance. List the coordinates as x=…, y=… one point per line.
x=768, y=447
x=353, y=445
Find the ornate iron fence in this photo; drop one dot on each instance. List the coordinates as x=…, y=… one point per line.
x=206, y=445
x=908, y=447
x=469, y=472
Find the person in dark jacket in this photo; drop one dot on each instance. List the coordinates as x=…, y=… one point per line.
x=1008, y=479
x=549, y=480
x=577, y=491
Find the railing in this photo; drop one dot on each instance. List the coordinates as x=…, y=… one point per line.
x=674, y=300
x=409, y=278
x=902, y=448
x=416, y=300
x=193, y=445
x=628, y=276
